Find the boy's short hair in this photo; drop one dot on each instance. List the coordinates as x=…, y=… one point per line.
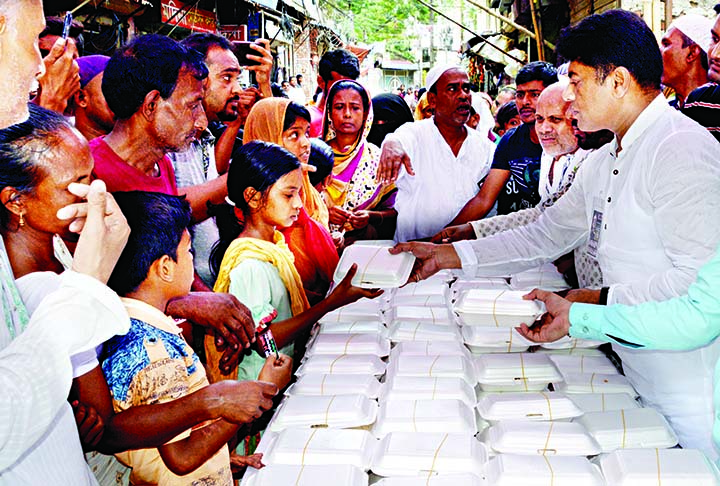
x=616, y=38
x=537, y=71
x=323, y=158
x=341, y=61
x=157, y=222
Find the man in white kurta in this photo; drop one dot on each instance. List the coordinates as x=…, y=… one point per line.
x=649, y=205
x=445, y=178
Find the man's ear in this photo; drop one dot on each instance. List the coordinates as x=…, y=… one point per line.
x=12, y=200
x=321, y=83
x=81, y=99
x=620, y=81
x=693, y=53
x=150, y=104
x=431, y=98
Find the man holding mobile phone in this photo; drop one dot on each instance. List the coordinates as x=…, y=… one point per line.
x=58, y=44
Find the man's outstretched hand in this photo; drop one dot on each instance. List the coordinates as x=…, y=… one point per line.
x=555, y=324
x=429, y=258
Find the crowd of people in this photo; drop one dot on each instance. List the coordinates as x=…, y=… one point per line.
x=169, y=238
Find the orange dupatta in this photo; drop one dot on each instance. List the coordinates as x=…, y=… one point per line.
x=265, y=123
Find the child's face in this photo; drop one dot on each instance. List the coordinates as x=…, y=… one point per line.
x=296, y=140
x=185, y=272
x=283, y=202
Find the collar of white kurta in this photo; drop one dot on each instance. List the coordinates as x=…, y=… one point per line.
x=142, y=311
x=646, y=119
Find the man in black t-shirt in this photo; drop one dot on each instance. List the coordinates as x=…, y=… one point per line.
x=513, y=178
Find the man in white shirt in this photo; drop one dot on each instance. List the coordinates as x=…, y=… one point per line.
x=449, y=160
x=648, y=204
x=296, y=93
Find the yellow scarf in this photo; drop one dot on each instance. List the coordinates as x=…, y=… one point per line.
x=276, y=253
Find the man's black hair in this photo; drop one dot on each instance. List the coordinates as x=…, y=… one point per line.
x=322, y=158
x=340, y=61
x=613, y=39
x=157, y=222
x=150, y=62
x=537, y=71
x=203, y=42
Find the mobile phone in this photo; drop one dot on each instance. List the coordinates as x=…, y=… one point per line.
x=66, y=25
x=241, y=50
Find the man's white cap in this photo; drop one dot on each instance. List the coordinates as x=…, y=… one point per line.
x=696, y=27
x=435, y=73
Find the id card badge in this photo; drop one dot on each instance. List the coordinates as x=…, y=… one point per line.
x=595, y=227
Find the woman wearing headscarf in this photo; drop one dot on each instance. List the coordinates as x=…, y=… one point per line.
x=282, y=122
x=423, y=109
x=358, y=204
x=390, y=113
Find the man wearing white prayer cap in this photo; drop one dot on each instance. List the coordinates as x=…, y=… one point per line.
x=448, y=159
x=684, y=53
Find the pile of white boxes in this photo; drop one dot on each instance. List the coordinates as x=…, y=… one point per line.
x=431, y=385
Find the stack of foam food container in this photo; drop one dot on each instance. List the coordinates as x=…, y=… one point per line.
x=431, y=385
x=544, y=277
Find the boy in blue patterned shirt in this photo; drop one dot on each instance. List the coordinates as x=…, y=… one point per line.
x=153, y=363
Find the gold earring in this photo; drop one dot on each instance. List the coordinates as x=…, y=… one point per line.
x=21, y=223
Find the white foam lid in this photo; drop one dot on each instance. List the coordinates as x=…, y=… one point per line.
x=357, y=327
x=429, y=348
x=436, y=480
x=584, y=364
x=424, y=416
x=527, y=406
x=567, y=342
x=541, y=438
x=628, y=429
x=362, y=310
x=353, y=343
x=330, y=475
x=426, y=388
x=651, y=467
x=432, y=366
x=302, y=446
x=419, y=300
x=571, y=351
x=521, y=370
x=515, y=470
x=428, y=455
x=494, y=339
x=603, y=402
x=434, y=315
x=336, y=411
x=423, y=287
x=595, y=383
x=405, y=331
x=376, y=267
x=319, y=384
x=350, y=364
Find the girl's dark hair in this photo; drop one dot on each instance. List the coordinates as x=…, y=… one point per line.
x=505, y=113
x=323, y=158
x=258, y=165
x=293, y=112
x=349, y=84
x=21, y=147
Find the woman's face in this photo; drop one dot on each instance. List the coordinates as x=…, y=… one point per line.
x=296, y=139
x=347, y=113
x=282, y=206
x=68, y=160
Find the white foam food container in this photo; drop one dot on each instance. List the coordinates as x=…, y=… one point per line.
x=652, y=467
x=516, y=470
x=524, y=372
x=636, y=428
x=434, y=315
x=541, y=438
x=317, y=384
x=424, y=416
x=489, y=283
x=571, y=351
x=354, y=327
x=545, y=277
x=347, y=364
x=423, y=287
x=376, y=267
x=432, y=366
x=603, y=402
x=362, y=310
x=527, y=406
x=354, y=343
x=595, y=383
x=438, y=480
x=584, y=364
x=567, y=342
x=336, y=411
x=404, y=331
x=429, y=348
x=419, y=300
x=330, y=475
x=497, y=308
x=485, y=339
x=428, y=455
x=426, y=388
x=303, y=446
